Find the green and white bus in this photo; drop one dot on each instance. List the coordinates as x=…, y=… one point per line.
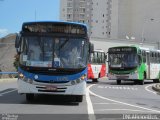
x=133, y=63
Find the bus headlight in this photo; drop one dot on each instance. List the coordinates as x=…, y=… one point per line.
x=78, y=81
x=73, y=82
x=30, y=81
x=82, y=78
x=22, y=77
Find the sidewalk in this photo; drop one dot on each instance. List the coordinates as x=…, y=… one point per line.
x=6, y=80
x=156, y=87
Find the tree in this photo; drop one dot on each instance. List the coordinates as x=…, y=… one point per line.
x=16, y=61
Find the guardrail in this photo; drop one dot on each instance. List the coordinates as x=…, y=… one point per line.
x=8, y=73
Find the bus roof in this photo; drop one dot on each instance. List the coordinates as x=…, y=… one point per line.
x=99, y=50
x=62, y=22
x=141, y=48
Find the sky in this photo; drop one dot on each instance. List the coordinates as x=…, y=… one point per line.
x=14, y=12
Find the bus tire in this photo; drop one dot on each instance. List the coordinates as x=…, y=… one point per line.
x=144, y=76
x=136, y=81
x=156, y=80
x=79, y=98
x=118, y=82
x=30, y=97
x=95, y=80
x=141, y=82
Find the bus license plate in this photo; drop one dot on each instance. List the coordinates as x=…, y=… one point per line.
x=51, y=87
x=122, y=77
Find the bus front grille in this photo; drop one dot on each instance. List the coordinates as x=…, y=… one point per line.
x=51, y=89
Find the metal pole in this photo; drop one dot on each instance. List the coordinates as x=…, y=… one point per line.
x=158, y=45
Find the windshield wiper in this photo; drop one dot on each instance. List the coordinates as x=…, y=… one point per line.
x=64, y=44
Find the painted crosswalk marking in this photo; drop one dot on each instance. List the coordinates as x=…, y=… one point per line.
x=117, y=88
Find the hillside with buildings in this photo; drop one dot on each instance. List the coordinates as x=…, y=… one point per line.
x=7, y=53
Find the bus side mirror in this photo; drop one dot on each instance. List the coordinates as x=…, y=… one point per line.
x=106, y=57
x=17, y=43
x=91, y=48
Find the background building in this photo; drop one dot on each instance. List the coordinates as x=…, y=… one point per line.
x=95, y=13
x=117, y=21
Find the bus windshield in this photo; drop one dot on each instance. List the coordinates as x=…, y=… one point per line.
x=123, y=60
x=97, y=58
x=53, y=52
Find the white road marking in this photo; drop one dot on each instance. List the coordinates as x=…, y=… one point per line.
x=146, y=88
x=1, y=94
x=120, y=101
x=90, y=106
x=120, y=110
x=104, y=103
x=117, y=88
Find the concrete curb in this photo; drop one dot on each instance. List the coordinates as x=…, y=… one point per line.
x=7, y=80
x=156, y=87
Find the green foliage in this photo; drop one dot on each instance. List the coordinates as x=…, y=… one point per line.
x=16, y=61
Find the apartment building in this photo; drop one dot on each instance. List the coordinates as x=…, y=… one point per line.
x=95, y=13
x=110, y=20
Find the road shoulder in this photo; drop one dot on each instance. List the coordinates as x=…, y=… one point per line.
x=8, y=80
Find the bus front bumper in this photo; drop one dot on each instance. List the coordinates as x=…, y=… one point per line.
x=57, y=89
x=123, y=76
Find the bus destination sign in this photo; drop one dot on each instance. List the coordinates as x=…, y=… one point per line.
x=54, y=28
x=122, y=49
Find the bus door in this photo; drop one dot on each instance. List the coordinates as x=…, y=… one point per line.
x=148, y=64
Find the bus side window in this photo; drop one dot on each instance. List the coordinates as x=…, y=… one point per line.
x=159, y=57
x=144, y=56
x=151, y=57
x=99, y=57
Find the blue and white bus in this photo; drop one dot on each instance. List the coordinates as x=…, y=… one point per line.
x=53, y=59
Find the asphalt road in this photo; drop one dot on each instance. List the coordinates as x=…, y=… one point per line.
x=103, y=100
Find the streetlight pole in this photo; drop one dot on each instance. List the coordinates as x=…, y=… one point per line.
x=143, y=28
x=158, y=45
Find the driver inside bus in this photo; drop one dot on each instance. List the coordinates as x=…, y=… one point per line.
x=35, y=51
x=71, y=57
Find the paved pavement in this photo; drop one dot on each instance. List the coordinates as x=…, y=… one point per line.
x=8, y=80
x=104, y=99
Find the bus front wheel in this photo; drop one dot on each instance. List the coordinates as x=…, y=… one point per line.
x=79, y=98
x=29, y=97
x=95, y=80
x=118, y=82
x=141, y=82
x=156, y=80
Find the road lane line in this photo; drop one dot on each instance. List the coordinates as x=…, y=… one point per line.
x=120, y=101
x=1, y=94
x=89, y=105
x=120, y=110
x=104, y=103
x=146, y=88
